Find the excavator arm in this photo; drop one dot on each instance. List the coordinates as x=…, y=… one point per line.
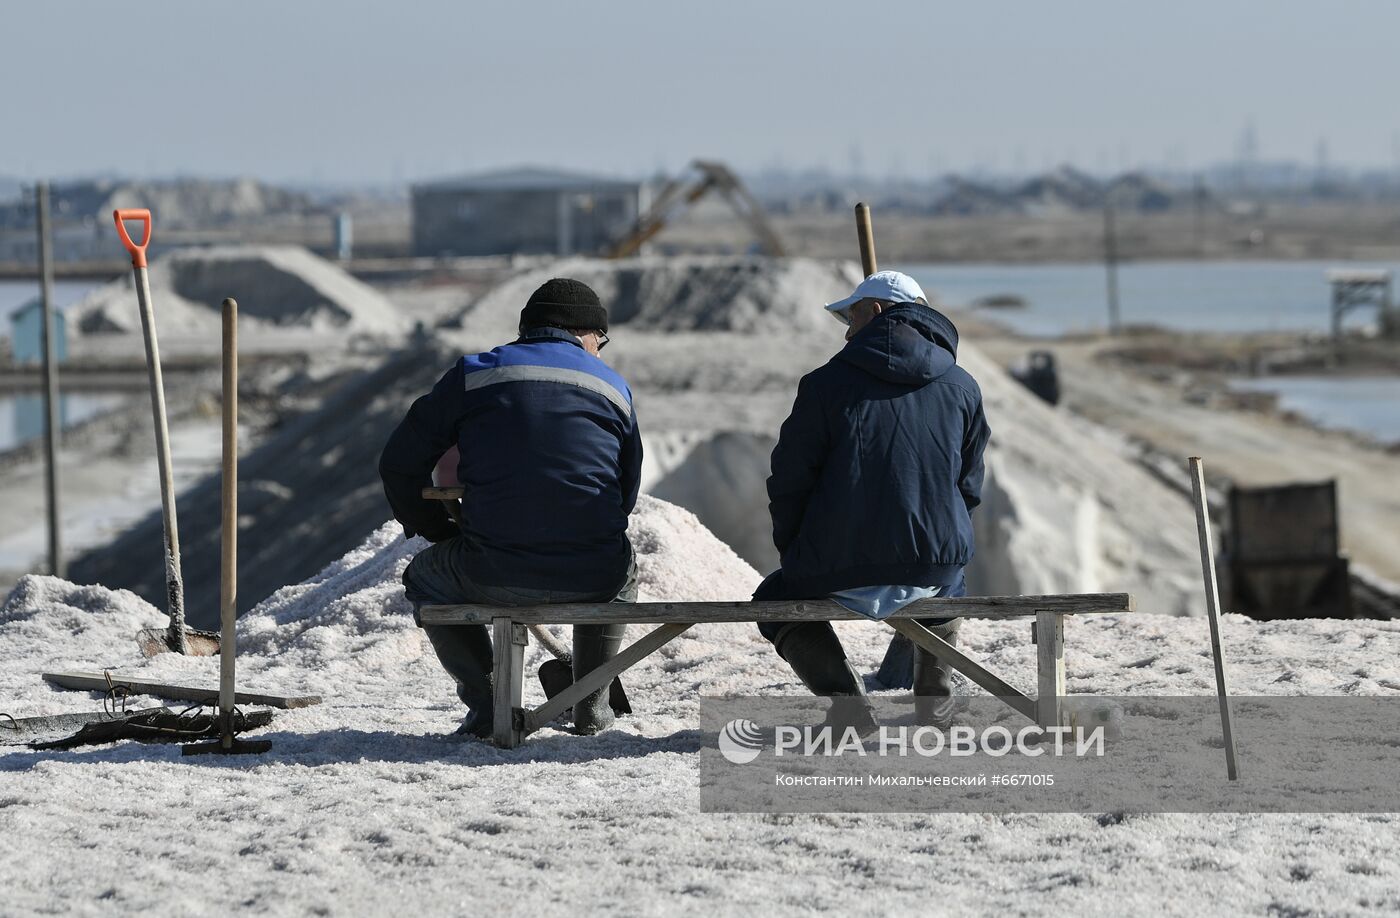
x=679, y=195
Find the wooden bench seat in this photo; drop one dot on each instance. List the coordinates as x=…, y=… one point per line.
x=512, y=722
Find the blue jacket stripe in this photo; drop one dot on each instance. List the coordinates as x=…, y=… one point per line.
x=563, y=375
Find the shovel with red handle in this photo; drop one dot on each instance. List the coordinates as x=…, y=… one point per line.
x=176, y=637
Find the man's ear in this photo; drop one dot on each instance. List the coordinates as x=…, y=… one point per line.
x=876, y=308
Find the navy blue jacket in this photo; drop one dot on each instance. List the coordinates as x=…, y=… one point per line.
x=879, y=465
x=550, y=462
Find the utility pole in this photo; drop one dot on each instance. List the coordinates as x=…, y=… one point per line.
x=1110, y=261
x=51, y=402
x=1198, y=206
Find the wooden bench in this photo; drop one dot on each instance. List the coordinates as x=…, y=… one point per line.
x=512, y=722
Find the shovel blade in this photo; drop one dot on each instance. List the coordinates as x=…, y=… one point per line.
x=154, y=641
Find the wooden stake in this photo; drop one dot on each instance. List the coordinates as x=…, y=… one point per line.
x=228, y=544
x=866, y=234
x=1198, y=488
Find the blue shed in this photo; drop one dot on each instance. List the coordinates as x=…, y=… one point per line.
x=27, y=333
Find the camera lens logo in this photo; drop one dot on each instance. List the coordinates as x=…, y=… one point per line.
x=740, y=741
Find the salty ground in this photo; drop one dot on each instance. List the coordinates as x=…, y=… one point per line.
x=365, y=806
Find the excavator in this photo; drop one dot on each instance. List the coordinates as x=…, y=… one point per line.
x=682, y=192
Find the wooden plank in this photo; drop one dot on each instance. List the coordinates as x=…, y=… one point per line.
x=660, y=613
x=964, y=664
x=508, y=681
x=443, y=493
x=1222, y=690
x=603, y=675
x=97, y=682
x=1050, y=668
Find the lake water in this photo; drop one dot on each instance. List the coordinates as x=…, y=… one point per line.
x=22, y=416
x=1229, y=296
x=1367, y=404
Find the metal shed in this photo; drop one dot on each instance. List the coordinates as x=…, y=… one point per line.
x=526, y=211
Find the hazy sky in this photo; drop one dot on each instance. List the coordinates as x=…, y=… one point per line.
x=346, y=90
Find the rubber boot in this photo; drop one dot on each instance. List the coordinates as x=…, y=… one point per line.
x=465, y=652
x=933, y=681
x=815, y=654
x=594, y=645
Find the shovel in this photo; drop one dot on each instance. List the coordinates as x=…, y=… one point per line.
x=176, y=637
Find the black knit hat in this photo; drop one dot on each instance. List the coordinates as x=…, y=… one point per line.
x=564, y=303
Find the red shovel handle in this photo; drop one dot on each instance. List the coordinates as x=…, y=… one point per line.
x=137, y=249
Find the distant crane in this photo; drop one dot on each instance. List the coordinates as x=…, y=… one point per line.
x=683, y=192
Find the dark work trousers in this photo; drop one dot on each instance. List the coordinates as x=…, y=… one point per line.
x=437, y=576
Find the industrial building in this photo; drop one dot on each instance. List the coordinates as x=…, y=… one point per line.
x=523, y=211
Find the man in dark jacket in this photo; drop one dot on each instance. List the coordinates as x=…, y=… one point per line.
x=550, y=463
x=874, y=479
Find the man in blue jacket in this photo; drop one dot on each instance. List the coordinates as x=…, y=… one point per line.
x=874, y=479
x=550, y=466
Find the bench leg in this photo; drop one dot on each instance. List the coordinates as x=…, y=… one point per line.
x=508, y=682
x=1050, y=668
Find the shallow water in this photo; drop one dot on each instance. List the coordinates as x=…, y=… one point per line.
x=1219, y=296
x=1369, y=404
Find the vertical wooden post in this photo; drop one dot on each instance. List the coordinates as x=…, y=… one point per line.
x=1050, y=668
x=52, y=407
x=1198, y=488
x=228, y=558
x=508, y=682
x=865, y=235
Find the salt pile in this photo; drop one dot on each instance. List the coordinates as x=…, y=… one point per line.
x=696, y=293
x=47, y=623
x=723, y=479
x=276, y=287
x=353, y=615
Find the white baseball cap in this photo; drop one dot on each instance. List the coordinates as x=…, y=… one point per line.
x=890, y=286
